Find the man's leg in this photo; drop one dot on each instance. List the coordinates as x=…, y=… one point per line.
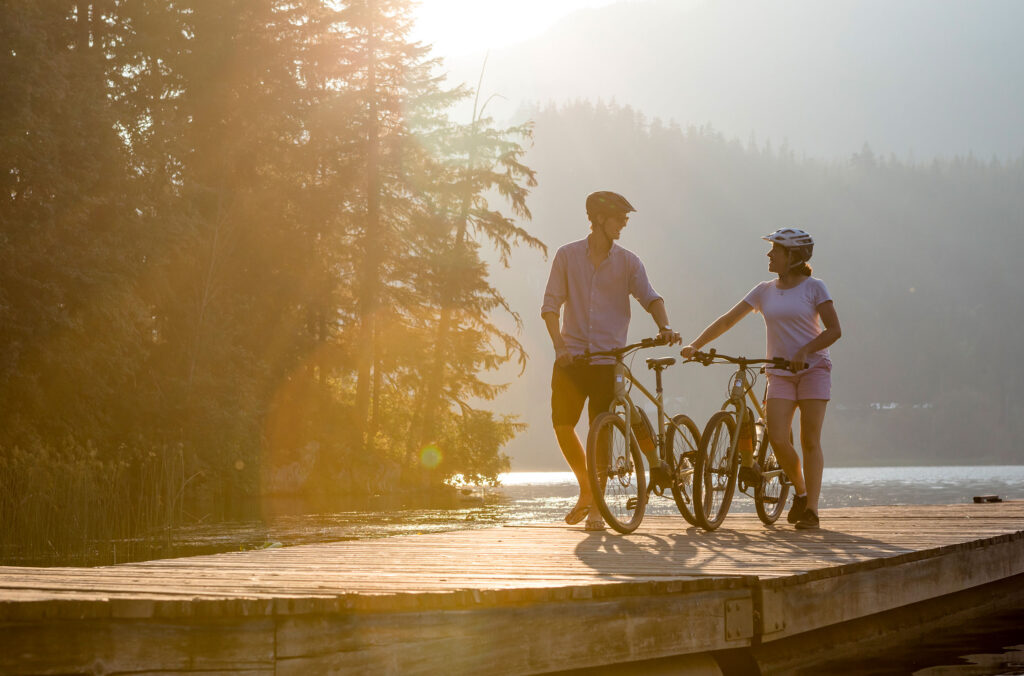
x=567, y=399
x=572, y=449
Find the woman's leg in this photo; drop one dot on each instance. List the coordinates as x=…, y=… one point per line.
x=779, y=422
x=812, y=416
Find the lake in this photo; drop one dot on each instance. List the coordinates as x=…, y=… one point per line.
x=533, y=497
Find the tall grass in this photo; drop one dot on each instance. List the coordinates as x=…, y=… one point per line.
x=71, y=506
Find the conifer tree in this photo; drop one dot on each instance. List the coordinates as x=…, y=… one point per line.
x=482, y=162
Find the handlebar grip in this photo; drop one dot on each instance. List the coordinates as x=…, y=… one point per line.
x=653, y=342
x=704, y=358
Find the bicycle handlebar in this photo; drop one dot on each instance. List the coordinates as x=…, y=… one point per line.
x=709, y=357
x=619, y=351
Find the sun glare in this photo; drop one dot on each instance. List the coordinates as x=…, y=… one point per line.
x=458, y=27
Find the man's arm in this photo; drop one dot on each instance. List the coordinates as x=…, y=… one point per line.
x=641, y=289
x=660, y=314
x=562, y=354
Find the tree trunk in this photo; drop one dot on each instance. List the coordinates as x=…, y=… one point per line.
x=369, y=277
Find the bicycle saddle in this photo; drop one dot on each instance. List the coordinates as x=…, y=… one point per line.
x=664, y=362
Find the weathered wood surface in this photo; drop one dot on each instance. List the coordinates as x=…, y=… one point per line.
x=505, y=600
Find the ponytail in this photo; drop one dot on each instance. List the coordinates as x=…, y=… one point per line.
x=803, y=269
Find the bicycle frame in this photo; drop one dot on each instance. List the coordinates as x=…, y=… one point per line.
x=615, y=455
x=624, y=382
x=718, y=464
x=623, y=400
x=742, y=390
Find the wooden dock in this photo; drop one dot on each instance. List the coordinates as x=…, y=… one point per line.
x=511, y=600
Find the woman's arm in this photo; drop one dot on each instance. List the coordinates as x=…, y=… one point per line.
x=718, y=327
x=832, y=333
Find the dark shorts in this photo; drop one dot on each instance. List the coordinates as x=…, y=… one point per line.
x=575, y=384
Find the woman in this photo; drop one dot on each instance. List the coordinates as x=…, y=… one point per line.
x=792, y=306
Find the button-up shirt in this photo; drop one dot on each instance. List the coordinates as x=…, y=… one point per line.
x=596, y=299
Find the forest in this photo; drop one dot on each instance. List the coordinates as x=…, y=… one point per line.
x=921, y=256
x=241, y=256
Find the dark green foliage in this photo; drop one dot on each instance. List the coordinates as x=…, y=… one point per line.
x=228, y=233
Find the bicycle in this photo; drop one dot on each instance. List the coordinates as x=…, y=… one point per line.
x=716, y=467
x=622, y=436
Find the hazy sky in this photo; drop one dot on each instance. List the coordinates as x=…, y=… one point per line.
x=457, y=27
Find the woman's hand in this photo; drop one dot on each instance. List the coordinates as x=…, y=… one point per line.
x=799, y=360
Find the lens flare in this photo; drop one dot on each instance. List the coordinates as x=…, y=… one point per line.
x=430, y=456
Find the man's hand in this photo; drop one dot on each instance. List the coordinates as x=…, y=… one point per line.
x=669, y=336
x=562, y=356
x=688, y=351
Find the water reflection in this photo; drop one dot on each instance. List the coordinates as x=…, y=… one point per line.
x=522, y=498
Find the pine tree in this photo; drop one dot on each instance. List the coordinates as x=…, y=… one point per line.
x=483, y=161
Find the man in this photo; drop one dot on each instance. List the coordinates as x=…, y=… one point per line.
x=594, y=279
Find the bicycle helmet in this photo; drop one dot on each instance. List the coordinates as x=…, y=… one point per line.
x=605, y=202
x=798, y=241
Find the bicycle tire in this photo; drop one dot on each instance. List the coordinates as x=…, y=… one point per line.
x=616, y=472
x=684, y=456
x=714, y=479
x=770, y=496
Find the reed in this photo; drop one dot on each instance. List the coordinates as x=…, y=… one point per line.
x=70, y=505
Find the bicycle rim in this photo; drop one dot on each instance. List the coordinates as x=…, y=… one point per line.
x=683, y=447
x=716, y=476
x=770, y=497
x=616, y=472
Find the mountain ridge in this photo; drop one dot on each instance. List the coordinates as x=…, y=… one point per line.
x=918, y=78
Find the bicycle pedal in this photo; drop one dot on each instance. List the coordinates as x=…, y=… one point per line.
x=632, y=503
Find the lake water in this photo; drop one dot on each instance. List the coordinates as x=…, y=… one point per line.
x=535, y=497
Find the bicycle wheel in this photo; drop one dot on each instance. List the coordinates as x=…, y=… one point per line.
x=714, y=477
x=616, y=471
x=683, y=447
x=770, y=496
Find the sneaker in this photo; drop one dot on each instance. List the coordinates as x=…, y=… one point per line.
x=798, y=508
x=750, y=477
x=807, y=521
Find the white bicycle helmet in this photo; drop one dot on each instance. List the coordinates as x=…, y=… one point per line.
x=798, y=241
x=790, y=237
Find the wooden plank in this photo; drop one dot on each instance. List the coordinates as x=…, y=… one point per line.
x=513, y=640
x=503, y=600
x=117, y=646
x=807, y=602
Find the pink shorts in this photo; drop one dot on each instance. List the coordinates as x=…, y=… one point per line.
x=814, y=383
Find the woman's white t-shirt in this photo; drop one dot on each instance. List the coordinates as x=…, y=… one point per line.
x=791, y=318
